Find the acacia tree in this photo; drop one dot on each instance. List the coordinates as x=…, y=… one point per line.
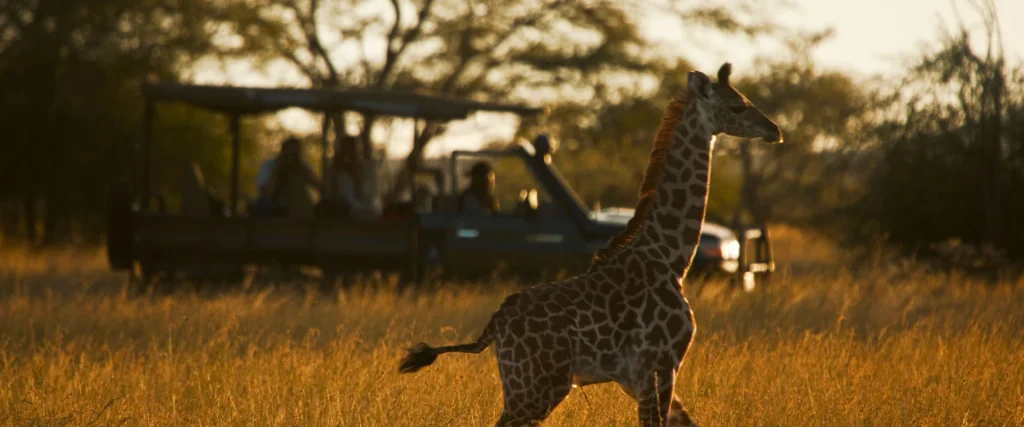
x=519, y=50
x=487, y=49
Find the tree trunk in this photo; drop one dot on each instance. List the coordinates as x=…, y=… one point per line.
x=749, y=200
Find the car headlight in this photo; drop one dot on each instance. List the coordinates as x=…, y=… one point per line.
x=731, y=250
x=728, y=250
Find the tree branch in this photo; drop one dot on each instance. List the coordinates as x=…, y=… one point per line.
x=364, y=60
x=314, y=41
x=390, y=51
x=395, y=28
x=524, y=21
x=395, y=52
x=307, y=69
x=307, y=23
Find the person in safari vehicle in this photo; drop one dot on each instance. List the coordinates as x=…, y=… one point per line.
x=479, y=197
x=283, y=183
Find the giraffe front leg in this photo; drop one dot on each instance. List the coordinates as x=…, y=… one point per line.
x=677, y=415
x=658, y=405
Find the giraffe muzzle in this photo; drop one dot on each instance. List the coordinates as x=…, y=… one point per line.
x=774, y=137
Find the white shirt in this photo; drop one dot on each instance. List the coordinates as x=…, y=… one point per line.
x=266, y=171
x=343, y=187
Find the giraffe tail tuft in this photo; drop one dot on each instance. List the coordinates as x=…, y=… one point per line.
x=423, y=355
x=419, y=357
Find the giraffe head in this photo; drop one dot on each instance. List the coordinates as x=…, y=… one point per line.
x=727, y=110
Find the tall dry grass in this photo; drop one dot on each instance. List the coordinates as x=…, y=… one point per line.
x=895, y=345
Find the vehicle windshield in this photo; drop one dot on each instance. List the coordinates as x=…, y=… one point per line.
x=514, y=183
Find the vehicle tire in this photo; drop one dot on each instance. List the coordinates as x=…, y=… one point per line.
x=120, y=227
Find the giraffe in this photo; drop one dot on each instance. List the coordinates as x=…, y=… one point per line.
x=626, y=319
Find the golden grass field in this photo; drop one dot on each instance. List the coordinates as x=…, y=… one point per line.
x=893, y=345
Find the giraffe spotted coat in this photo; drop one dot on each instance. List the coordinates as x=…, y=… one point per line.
x=626, y=319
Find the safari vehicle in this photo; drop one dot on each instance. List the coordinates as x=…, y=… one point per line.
x=546, y=229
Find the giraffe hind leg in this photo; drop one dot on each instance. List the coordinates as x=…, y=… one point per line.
x=530, y=397
x=526, y=410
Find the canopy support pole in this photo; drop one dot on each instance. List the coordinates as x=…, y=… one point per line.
x=236, y=143
x=325, y=127
x=147, y=153
x=415, y=166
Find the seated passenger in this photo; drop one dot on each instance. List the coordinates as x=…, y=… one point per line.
x=283, y=183
x=423, y=199
x=479, y=198
x=350, y=189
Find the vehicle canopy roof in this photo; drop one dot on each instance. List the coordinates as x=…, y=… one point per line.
x=390, y=102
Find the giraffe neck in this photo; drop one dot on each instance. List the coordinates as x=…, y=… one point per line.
x=675, y=220
x=665, y=228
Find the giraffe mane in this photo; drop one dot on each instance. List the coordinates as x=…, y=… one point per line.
x=652, y=177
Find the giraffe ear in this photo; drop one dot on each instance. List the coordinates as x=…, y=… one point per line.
x=700, y=84
x=723, y=74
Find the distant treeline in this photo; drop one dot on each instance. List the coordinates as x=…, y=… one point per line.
x=933, y=157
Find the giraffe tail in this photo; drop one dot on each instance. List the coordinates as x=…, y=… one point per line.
x=422, y=355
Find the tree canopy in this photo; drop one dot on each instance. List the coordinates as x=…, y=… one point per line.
x=71, y=111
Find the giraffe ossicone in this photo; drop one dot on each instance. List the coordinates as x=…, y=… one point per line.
x=626, y=319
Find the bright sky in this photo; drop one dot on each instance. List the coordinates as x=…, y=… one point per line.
x=875, y=36
x=871, y=37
